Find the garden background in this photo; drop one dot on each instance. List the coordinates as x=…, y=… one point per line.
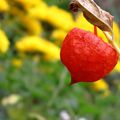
x=34, y=84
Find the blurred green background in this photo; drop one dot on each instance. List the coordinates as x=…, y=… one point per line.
x=34, y=84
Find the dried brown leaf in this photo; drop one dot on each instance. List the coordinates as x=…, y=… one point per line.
x=93, y=13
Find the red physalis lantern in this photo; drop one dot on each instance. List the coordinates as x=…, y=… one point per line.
x=87, y=57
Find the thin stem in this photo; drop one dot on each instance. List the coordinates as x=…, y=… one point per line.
x=95, y=30
x=111, y=41
x=59, y=87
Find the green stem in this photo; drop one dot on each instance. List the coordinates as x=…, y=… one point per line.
x=59, y=87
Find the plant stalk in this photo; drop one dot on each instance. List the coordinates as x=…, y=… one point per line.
x=111, y=41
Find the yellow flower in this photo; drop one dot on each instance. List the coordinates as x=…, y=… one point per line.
x=82, y=23
x=17, y=62
x=4, y=6
x=32, y=25
x=117, y=67
x=60, y=18
x=101, y=86
x=28, y=3
x=4, y=42
x=55, y=16
x=39, y=11
x=37, y=44
x=58, y=35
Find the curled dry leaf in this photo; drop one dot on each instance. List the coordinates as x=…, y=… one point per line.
x=93, y=13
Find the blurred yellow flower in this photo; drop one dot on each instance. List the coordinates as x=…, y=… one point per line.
x=117, y=67
x=39, y=11
x=60, y=18
x=4, y=42
x=17, y=62
x=37, y=44
x=33, y=26
x=28, y=3
x=82, y=23
x=55, y=16
x=4, y=6
x=58, y=35
x=101, y=86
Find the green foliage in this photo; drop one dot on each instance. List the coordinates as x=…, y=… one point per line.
x=44, y=89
